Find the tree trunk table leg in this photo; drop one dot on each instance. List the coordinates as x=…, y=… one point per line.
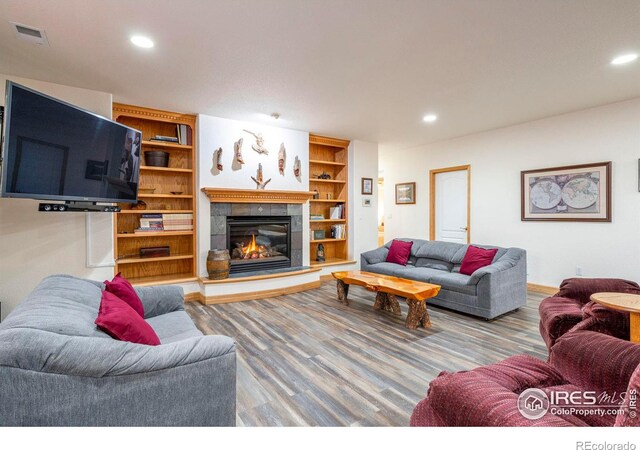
x=392, y=304
x=387, y=302
x=381, y=301
x=418, y=315
x=343, y=291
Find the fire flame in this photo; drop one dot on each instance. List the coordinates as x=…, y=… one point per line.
x=252, y=247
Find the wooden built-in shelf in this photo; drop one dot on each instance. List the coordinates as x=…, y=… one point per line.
x=181, y=265
x=329, y=157
x=138, y=260
x=165, y=195
x=154, y=234
x=332, y=262
x=165, y=169
x=327, y=163
x=317, y=241
x=155, y=211
x=167, y=145
x=319, y=180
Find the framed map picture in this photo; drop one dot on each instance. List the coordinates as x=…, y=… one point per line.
x=405, y=193
x=579, y=193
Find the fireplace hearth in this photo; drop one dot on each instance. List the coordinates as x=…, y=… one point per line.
x=258, y=243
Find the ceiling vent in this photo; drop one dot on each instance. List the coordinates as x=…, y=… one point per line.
x=30, y=34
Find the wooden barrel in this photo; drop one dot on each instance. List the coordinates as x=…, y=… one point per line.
x=218, y=264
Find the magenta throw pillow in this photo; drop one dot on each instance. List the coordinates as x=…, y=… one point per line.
x=399, y=252
x=122, y=289
x=120, y=321
x=476, y=258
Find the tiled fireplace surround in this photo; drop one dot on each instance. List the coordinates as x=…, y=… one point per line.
x=220, y=212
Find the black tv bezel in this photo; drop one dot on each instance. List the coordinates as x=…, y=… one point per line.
x=5, y=144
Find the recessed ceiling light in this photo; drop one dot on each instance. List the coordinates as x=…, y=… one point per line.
x=429, y=118
x=624, y=59
x=141, y=41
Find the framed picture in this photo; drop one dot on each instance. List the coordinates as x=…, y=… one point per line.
x=405, y=193
x=579, y=193
x=367, y=186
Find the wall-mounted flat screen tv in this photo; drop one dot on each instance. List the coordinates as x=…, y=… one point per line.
x=56, y=151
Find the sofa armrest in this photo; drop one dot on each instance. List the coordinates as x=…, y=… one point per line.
x=501, y=289
x=488, y=396
x=99, y=357
x=158, y=300
x=375, y=256
x=611, y=361
x=496, y=267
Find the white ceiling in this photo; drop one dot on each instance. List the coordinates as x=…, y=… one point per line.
x=358, y=69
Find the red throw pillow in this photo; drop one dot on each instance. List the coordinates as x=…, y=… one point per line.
x=122, y=289
x=120, y=321
x=399, y=252
x=476, y=258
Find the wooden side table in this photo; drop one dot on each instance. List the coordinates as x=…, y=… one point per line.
x=623, y=302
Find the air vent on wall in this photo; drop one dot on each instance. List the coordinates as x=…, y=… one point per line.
x=31, y=34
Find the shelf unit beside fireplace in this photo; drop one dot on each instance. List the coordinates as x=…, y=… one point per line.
x=180, y=265
x=329, y=155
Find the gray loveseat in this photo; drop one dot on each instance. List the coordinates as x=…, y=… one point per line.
x=58, y=369
x=489, y=292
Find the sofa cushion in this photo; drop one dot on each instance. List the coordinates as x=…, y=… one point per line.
x=432, y=263
x=399, y=252
x=173, y=326
x=476, y=258
x=423, y=274
x=121, y=288
x=60, y=304
x=456, y=282
x=122, y=322
x=440, y=250
x=392, y=269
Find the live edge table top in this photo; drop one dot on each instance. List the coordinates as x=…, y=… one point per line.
x=415, y=290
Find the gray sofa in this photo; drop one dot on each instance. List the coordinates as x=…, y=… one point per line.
x=58, y=369
x=489, y=292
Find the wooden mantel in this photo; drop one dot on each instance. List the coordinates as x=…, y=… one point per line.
x=224, y=195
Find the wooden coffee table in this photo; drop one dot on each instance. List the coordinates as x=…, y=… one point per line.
x=387, y=290
x=623, y=302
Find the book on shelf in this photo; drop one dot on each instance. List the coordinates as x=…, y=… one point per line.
x=178, y=221
x=160, y=138
x=183, y=134
x=316, y=217
x=337, y=212
x=338, y=231
x=151, y=222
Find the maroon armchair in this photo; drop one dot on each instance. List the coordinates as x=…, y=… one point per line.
x=580, y=361
x=566, y=309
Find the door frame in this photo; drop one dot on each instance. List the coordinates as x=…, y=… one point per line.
x=432, y=198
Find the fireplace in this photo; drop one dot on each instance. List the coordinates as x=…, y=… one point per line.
x=259, y=243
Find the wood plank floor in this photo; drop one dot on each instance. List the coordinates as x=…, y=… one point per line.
x=305, y=359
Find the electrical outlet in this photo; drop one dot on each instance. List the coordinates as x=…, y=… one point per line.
x=579, y=271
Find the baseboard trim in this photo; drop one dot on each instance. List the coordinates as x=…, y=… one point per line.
x=257, y=295
x=326, y=277
x=192, y=297
x=542, y=289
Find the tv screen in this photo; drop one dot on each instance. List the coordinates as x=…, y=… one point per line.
x=56, y=151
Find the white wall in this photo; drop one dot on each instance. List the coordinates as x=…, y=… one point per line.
x=606, y=133
x=34, y=245
x=214, y=132
x=363, y=221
